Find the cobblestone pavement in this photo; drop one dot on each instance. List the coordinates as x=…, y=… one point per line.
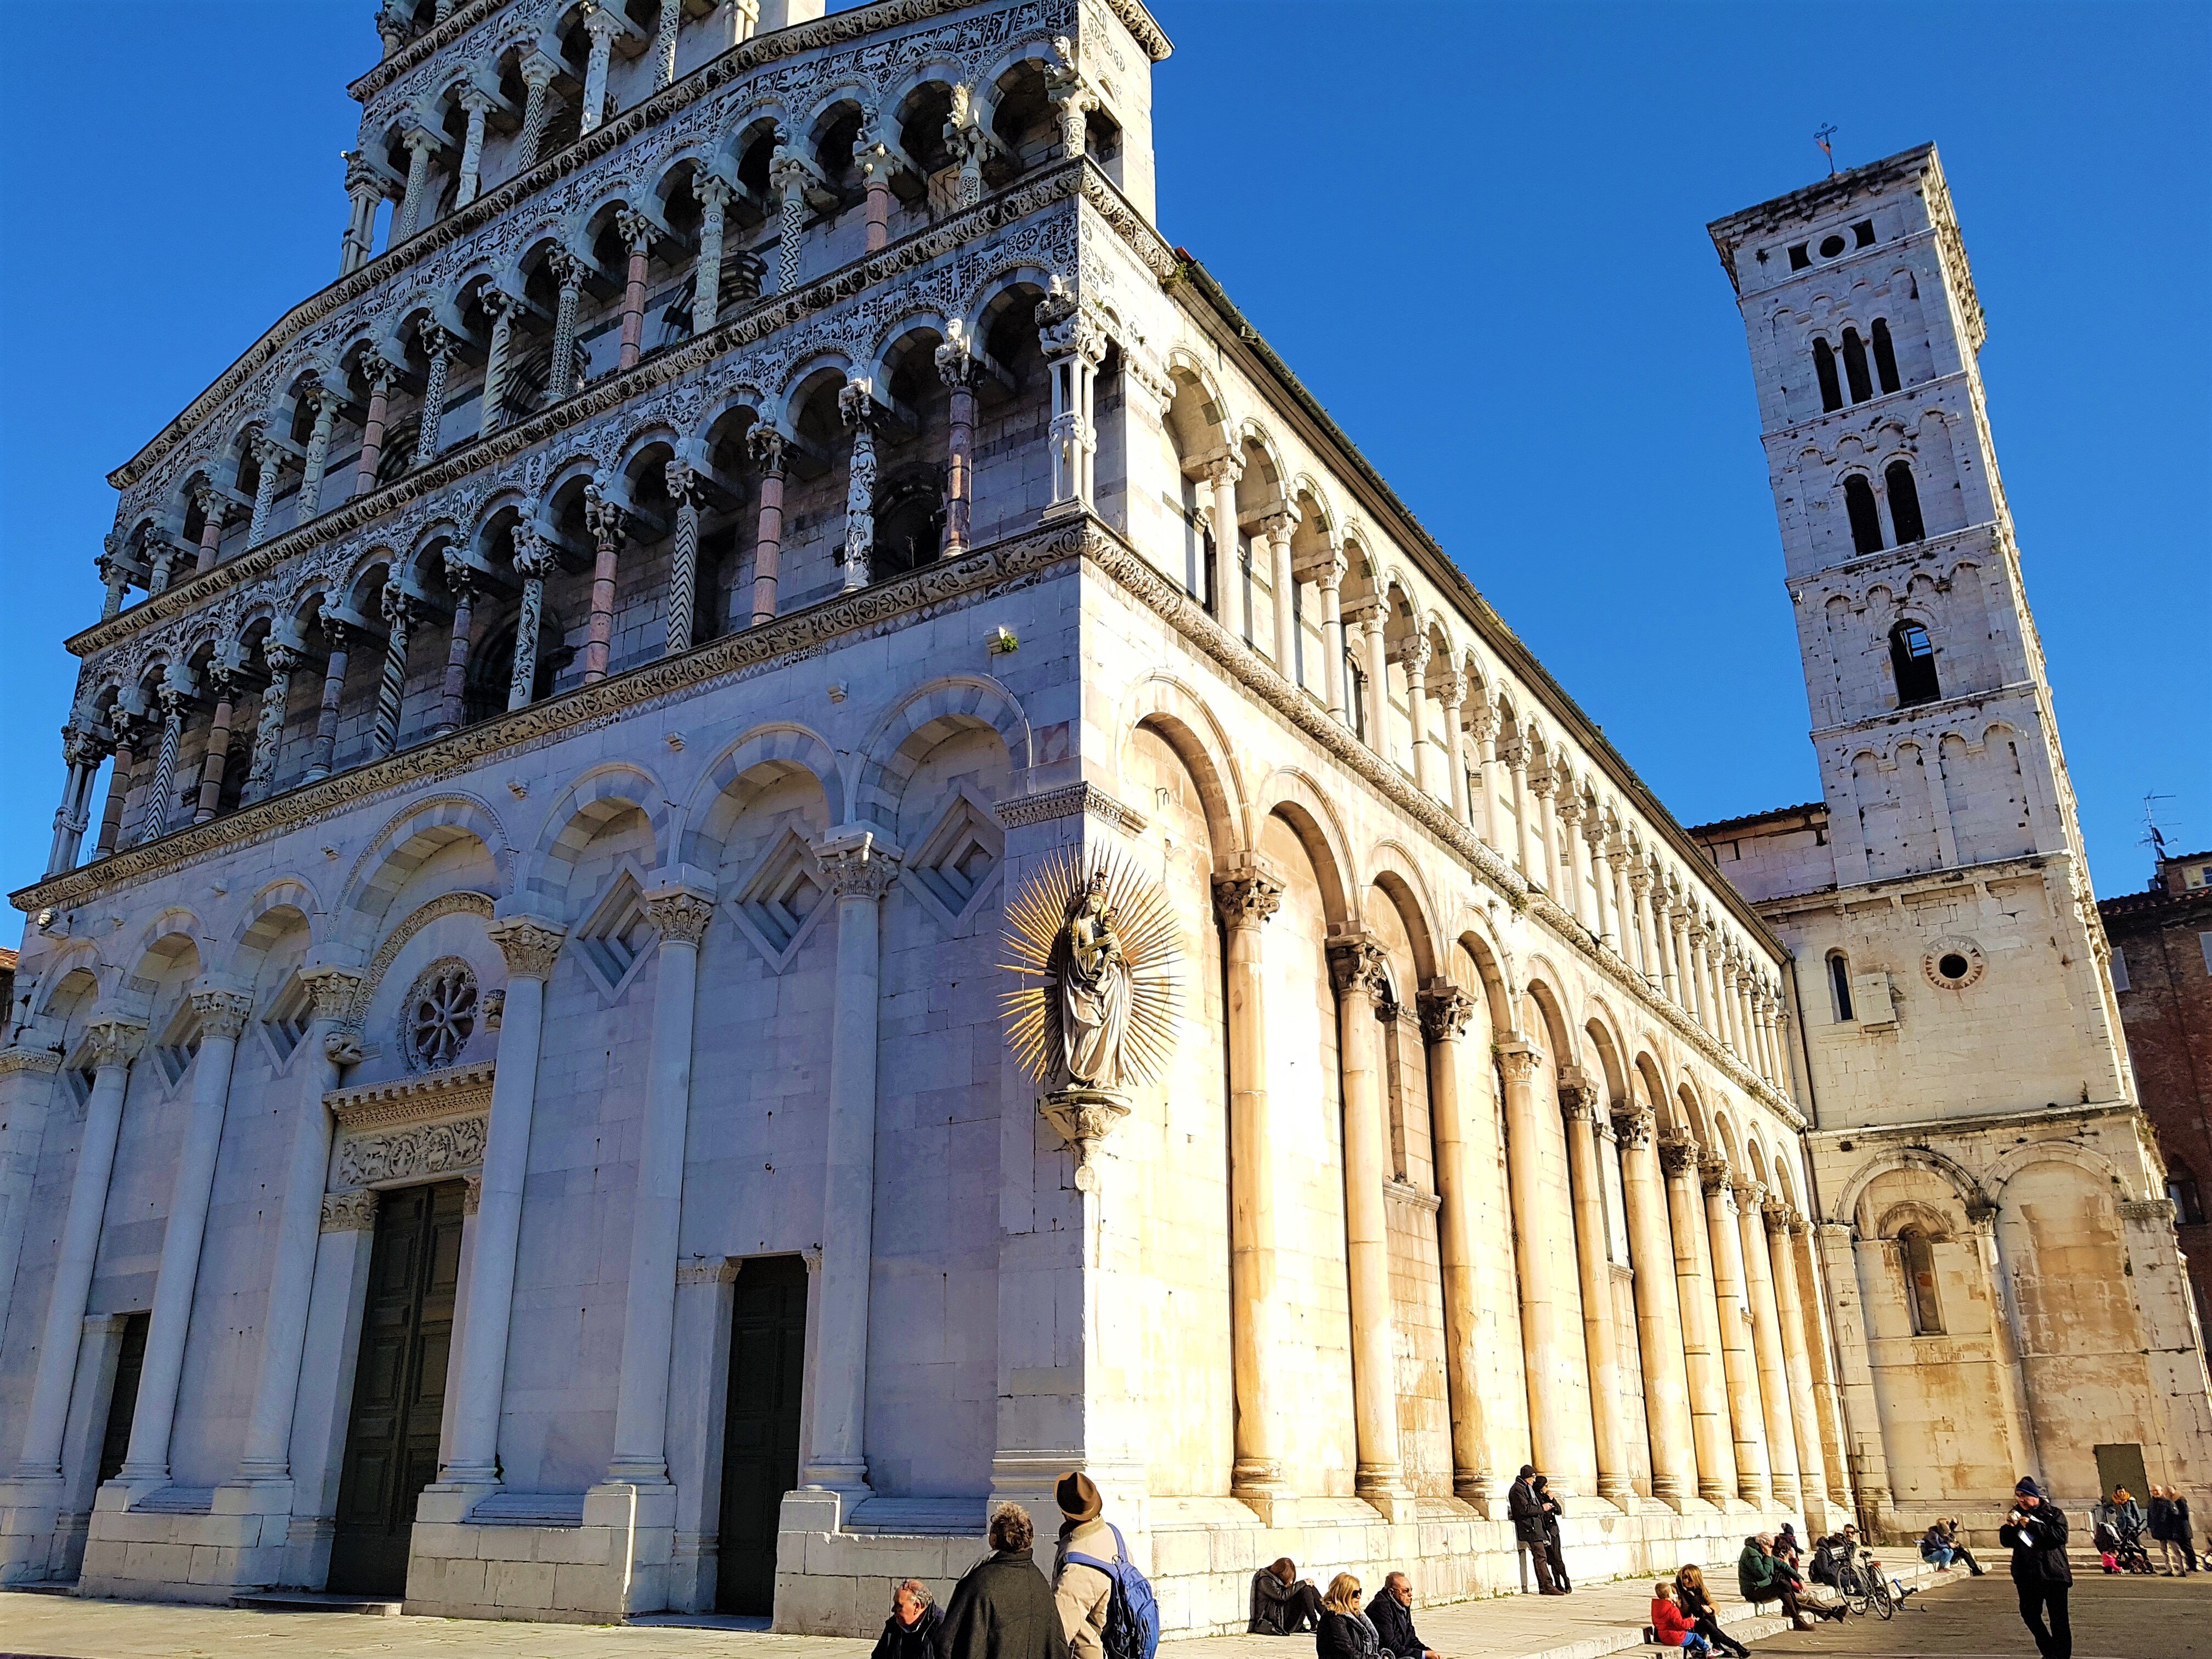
x=1602, y=1619
x=2127, y=1617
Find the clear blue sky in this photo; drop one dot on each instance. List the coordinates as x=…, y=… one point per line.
x=1475, y=231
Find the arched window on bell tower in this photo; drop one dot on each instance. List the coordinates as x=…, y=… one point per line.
x=1919, y=1255
x=1865, y=516
x=1903, y=503
x=1912, y=660
x=1824, y=367
x=1885, y=356
x=1855, y=366
x=1839, y=986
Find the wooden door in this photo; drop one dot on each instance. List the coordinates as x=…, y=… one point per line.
x=759, y=1439
x=399, y=1386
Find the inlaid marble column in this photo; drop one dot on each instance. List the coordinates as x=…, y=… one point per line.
x=214, y=506
x=500, y=307
x=602, y=23
x=1544, y=1335
x=154, y=822
x=680, y=912
x=856, y=407
x=766, y=445
x=795, y=180
x=477, y=103
x=609, y=524
x=714, y=195
x=438, y=343
x=127, y=741
x=1766, y=1345
x=420, y=142
x=1783, y=1225
x=1277, y=527
x=341, y=637
x=1468, y=1181
x=1701, y=1334
x=372, y=430
x=1658, y=1309
x=268, y=726
x=1329, y=573
x=537, y=72
x=664, y=45
x=1229, y=608
x=1245, y=901
x=1579, y=1106
x=534, y=561
x=327, y=401
x=1359, y=969
x=463, y=581
x=858, y=875
x=531, y=946
x=1746, y=1412
x=560, y=368
x=268, y=466
x=110, y=1043
x=636, y=232
x=222, y=687
x=222, y=1013
x=401, y=611
x=682, y=483
x=955, y=366
x=327, y=1048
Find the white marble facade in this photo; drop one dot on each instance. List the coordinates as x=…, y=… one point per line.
x=916, y=518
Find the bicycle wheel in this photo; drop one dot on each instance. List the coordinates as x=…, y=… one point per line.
x=1885, y=1601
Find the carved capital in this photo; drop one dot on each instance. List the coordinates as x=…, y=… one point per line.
x=765, y=444
x=956, y=358
x=607, y=520
x=1776, y=1214
x=222, y=1013
x=471, y=1193
x=464, y=579
x=1633, y=1125
x=1713, y=1175
x=350, y=1212
x=634, y=228
x=1359, y=965
x=113, y=1042
x=1246, y=899
x=856, y=867
x=681, y=482
x=856, y=405
x=1414, y=653
x=401, y=608
x=1980, y=1211
x=1678, y=1154
x=534, y=556
x=680, y=914
x=1749, y=1193
x=437, y=338
x=1520, y=1061
x=16, y=1058
x=1446, y=1010
x=1578, y=1096
x=530, y=944
x=2146, y=1209
x=332, y=989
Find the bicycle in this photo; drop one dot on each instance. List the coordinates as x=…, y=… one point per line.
x=1864, y=1590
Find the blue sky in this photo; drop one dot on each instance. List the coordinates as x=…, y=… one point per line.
x=1475, y=231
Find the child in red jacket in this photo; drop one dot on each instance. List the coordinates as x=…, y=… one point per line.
x=1670, y=1629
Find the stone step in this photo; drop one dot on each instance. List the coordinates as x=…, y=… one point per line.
x=316, y=1601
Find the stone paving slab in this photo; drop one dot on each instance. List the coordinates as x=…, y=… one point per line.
x=1604, y=1619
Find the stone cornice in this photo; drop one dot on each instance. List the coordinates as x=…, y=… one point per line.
x=790, y=637
x=1072, y=801
x=412, y=1099
x=1031, y=195
x=423, y=47
x=1945, y=880
x=1919, y=1130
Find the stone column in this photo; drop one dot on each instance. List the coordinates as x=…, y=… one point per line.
x=364, y=192
x=500, y=307
x=530, y=944
x=1605, y=917
x=1415, y=655
x=269, y=463
x=1446, y=1012
x=222, y=686
x=765, y=444
x=1277, y=527
x=856, y=405
x=858, y=875
x=478, y=102
x=1783, y=1225
x=1245, y=901
x=872, y=157
x=327, y=400
x=714, y=196
x=1450, y=691
x=636, y=231
x=680, y=912
x=792, y=177
x=341, y=637
x=955, y=366
x=967, y=139
x=401, y=611
x=155, y=823
x=1579, y=1103
x=1573, y=891
x=1766, y=1343
x=602, y=24
x=664, y=45
x=112, y=1044
x=1543, y=1338
x=2018, y=1422
x=534, y=560
x=26, y=1102
x=1805, y=1281
x=1516, y=769
x=1617, y=851
x=609, y=524
x=683, y=484
x=438, y=342
x=1072, y=346
x=1859, y=1412
x=114, y=569
x=1372, y=633
x=561, y=370
x=1546, y=875
x=1701, y=1334
x=1746, y=1412
x=372, y=430
x=1482, y=789
x=118, y=783
x=420, y=141
x=462, y=579
x=1357, y=965
x=537, y=73
x=222, y=1014
x=1328, y=576
x=1658, y=1310
x=268, y=726
x=83, y=755
x=213, y=505
x=1654, y=958
x=1680, y=919
x=1221, y=477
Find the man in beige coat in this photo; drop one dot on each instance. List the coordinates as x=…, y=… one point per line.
x=1082, y=1593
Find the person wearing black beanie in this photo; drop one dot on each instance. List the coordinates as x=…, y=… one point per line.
x=2035, y=1532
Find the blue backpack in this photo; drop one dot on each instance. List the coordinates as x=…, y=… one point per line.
x=1132, y=1613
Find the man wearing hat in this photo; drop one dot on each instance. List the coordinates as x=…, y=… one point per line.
x=2035, y=1532
x=1084, y=1594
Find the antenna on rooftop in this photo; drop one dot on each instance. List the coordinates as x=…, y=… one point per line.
x=1821, y=138
x=2154, y=837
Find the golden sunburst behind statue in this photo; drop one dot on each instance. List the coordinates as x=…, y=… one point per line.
x=1097, y=944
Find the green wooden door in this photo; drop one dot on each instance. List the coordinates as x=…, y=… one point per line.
x=759, y=1439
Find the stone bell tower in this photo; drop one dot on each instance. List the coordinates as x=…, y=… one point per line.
x=2007, y=1291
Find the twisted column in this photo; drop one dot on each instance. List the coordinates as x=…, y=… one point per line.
x=214, y=505
x=222, y=683
x=401, y=611
x=1358, y=969
x=372, y=430
x=534, y=561
x=1244, y=902
x=1701, y=1330
x=714, y=196
x=478, y=102
x=156, y=823
x=537, y=73
x=856, y=405
x=955, y=366
x=439, y=343
x=663, y=44
x=1579, y=1103
x=636, y=232
x=560, y=371
x=500, y=305
x=463, y=580
x=790, y=175
x=1658, y=1310
x=609, y=524
x=684, y=489
x=119, y=782
x=268, y=726
x=420, y=142
x=765, y=444
x=1468, y=1181
x=341, y=637
x=269, y=458
x=327, y=400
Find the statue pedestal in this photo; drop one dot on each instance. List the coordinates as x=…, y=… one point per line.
x=1084, y=1115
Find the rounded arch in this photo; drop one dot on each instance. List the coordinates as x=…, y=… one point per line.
x=1597, y=1027
x=1551, y=1008
x=715, y=801
x=1853, y=1192
x=578, y=813
x=1184, y=721
x=405, y=842
x=2013, y=1160
x=1394, y=871
x=1299, y=801
x=917, y=723
x=269, y=913
x=1490, y=968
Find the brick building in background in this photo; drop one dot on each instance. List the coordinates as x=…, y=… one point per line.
x=2162, y=969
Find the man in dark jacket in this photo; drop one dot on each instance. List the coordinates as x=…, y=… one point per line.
x=913, y=1629
x=1391, y=1612
x=2035, y=1532
x=1526, y=1506
x=1003, y=1609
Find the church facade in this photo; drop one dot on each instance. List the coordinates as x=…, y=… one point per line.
x=766, y=837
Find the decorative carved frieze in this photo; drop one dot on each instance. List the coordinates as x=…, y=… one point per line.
x=415, y=1152
x=457, y=1090
x=1072, y=801
x=353, y=1211
x=708, y=1270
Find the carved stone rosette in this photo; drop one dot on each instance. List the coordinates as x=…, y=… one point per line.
x=1084, y=1116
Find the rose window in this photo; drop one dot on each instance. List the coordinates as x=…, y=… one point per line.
x=440, y=1015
